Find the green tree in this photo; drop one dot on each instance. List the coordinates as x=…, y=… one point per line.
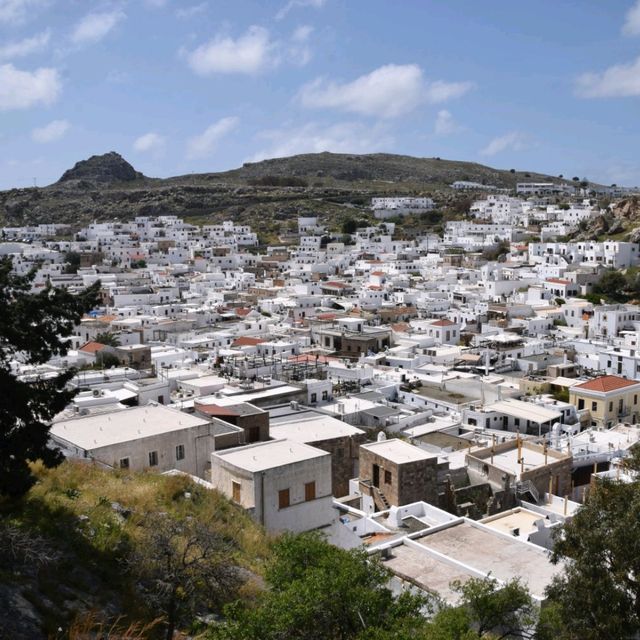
x=108, y=338
x=612, y=284
x=319, y=592
x=184, y=567
x=33, y=328
x=597, y=597
x=349, y=226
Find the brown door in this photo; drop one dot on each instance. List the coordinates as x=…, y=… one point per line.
x=309, y=491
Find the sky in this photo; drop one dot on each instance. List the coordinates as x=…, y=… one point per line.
x=181, y=86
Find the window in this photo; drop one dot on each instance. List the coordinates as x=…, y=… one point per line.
x=283, y=499
x=620, y=405
x=309, y=491
x=153, y=458
x=581, y=404
x=124, y=463
x=236, y=491
x=314, y=397
x=325, y=395
x=180, y=452
x=387, y=477
x=635, y=399
x=594, y=406
x=611, y=406
x=516, y=422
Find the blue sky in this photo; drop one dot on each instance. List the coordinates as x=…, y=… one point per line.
x=180, y=86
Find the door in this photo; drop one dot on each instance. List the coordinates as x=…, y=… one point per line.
x=376, y=475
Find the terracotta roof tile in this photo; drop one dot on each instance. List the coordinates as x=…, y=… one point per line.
x=604, y=384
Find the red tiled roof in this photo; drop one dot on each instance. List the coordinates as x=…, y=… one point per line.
x=337, y=285
x=442, y=323
x=604, y=384
x=401, y=326
x=246, y=341
x=558, y=281
x=326, y=316
x=214, y=410
x=92, y=347
x=377, y=273
x=242, y=312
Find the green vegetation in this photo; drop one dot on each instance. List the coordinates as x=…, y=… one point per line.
x=33, y=325
x=319, y=592
x=597, y=595
x=618, y=286
x=108, y=338
x=100, y=549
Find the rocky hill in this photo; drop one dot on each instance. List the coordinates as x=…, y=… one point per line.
x=107, y=187
x=105, y=169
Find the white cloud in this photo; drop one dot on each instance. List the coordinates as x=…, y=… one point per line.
x=302, y=33
x=445, y=124
x=206, y=143
x=388, y=92
x=346, y=137
x=298, y=51
x=250, y=53
x=149, y=142
x=514, y=141
x=296, y=4
x=95, y=26
x=631, y=25
x=21, y=48
x=191, y=11
x=15, y=11
x=50, y=132
x=621, y=80
x=23, y=89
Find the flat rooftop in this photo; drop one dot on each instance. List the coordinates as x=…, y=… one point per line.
x=269, y=455
x=521, y=519
x=525, y=410
x=488, y=551
x=428, y=570
x=93, y=432
x=309, y=426
x=398, y=451
x=452, y=397
x=508, y=460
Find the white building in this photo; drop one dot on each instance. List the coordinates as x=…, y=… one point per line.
x=285, y=484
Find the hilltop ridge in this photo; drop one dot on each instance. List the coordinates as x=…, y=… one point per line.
x=107, y=187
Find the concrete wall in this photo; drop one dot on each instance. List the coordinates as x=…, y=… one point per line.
x=197, y=441
x=259, y=492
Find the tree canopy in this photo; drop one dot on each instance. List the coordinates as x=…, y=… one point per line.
x=319, y=592
x=33, y=328
x=597, y=597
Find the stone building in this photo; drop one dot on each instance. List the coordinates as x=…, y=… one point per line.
x=394, y=472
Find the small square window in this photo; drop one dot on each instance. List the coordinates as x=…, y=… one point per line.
x=153, y=458
x=124, y=463
x=387, y=477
